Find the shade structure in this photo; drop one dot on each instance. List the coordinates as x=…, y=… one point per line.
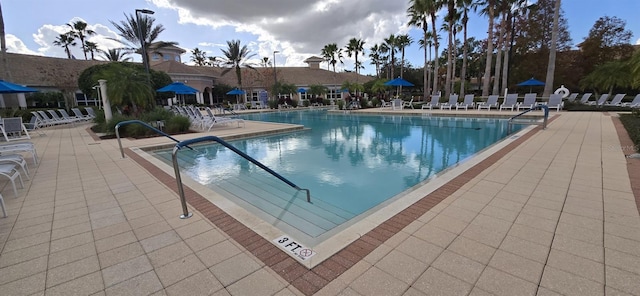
x=398, y=82
x=179, y=88
x=302, y=90
x=12, y=88
x=236, y=91
x=531, y=82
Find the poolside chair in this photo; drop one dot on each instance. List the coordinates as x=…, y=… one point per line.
x=16, y=159
x=77, y=113
x=616, y=100
x=555, y=101
x=384, y=103
x=90, y=112
x=34, y=125
x=68, y=117
x=407, y=104
x=529, y=102
x=453, y=101
x=57, y=118
x=510, y=102
x=11, y=148
x=220, y=120
x=492, y=101
x=10, y=171
x=432, y=104
x=603, y=98
x=572, y=97
x=633, y=104
x=585, y=98
x=48, y=120
x=466, y=103
x=13, y=129
x=4, y=210
x=397, y=104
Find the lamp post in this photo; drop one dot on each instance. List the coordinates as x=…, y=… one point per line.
x=145, y=59
x=275, y=72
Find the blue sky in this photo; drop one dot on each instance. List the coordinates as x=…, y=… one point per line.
x=298, y=29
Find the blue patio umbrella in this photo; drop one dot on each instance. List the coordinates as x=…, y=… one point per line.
x=302, y=90
x=8, y=87
x=178, y=88
x=236, y=91
x=398, y=82
x=531, y=82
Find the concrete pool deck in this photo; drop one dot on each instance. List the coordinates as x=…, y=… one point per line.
x=551, y=214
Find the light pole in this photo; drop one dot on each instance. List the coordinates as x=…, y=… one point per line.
x=145, y=59
x=275, y=72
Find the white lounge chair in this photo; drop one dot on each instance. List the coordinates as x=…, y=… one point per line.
x=555, y=101
x=34, y=125
x=408, y=104
x=10, y=171
x=90, y=112
x=633, y=104
x=510, y=102
x=12, y=129
x=572, y=97
x=435, y=100
x=453, y=101
x=616, y=100
x=529, y=102
x=384, y=103
x=603, y=98
x=585, y=98
x=79, y=114
x=466, y=103
x=220, y=120
x=11, y=148
x=16, y=159
x=492, y=102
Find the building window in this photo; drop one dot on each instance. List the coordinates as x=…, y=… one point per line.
x=166, y=57
x=155, y=57
x=177, y=58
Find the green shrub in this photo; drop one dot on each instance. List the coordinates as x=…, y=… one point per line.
x=631, y=123
x=306, y=103
x=575, y=106
x=340, y=104
x=177, y=124
x=375, y=102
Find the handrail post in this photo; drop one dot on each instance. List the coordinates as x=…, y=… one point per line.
x=183, y=201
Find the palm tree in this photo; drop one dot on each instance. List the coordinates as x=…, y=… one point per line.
x=392, y=44
x=128, y=30
x=327, y=54
x=451, y=19
x=354, y=47
x=402, y=41
x=236, y=57
x=332, y=54
x=65, y=40
x=431, y=8
x=489, y=10
x=80, y=31
x=3, y=48
x=127, y=86
x=199, y=57
x=420, y=19
x=465, y=6
x=265, y=62
x=376, y=58
x=551, y=66
x=91, y=47
x=115, y=55
x=426, y=42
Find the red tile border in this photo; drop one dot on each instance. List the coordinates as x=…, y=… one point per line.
x=633, y=164
x=310, y=281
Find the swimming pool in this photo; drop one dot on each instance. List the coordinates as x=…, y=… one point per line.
x=351, y=163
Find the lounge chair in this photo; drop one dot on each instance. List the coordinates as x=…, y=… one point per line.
x=603, y=98
x=34, y=124
x=10, y=148
x=57, y=118
x=466, y=103
x=16, y=159
x=492, y=101
x=10, y=171
x=555, y=101
x=432, y=104
x=633, y=104
x=616, y=100
x=68, y=117
x=408, y=104
x=397, y=104
x=572, y=97
x=510, y=102
x=585, y=98
x=13, y=129
x=4, y=210
x=48, y=120
x=529, y=102
x=220, y=120
x=90, y=112
x=384, y=103
x=79, y=114
x=453, y=101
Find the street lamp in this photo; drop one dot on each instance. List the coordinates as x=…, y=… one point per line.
x=275, y=72
x=145, y=59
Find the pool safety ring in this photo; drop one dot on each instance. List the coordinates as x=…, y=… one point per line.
x=562, y=91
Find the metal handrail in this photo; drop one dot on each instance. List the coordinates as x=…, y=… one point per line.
x=123, y=123
x=536, y=107
x=179, y=145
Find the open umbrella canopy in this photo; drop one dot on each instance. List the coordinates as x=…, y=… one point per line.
x=531, y=82
x=236, y=91
x=302, y=90
x=398, y=82
x=8, y=87
x=178, y=88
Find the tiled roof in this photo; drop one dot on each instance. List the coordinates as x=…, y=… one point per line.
x=178, y=68
x=40, y=71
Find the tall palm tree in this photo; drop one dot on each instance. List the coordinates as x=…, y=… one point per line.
x=236, y=57
x=420, y=18
x=489, y=10
x=426, y=42
x=355, y=47
x=91, y=48
x=432, y=7
x=551, y=66
x=327, y=53
x=65, y=40
x=392, y=44
x=199, y=57
x=376, y=58
x=128, y=30
x=451, y=19
x=402, y=41
x=115, y=55
x=265, y=62
x=80, y=31
x=465, y=6
x=332, y=54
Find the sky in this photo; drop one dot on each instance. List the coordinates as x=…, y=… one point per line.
x=297, y=29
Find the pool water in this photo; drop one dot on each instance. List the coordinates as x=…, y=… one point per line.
x=350, y=163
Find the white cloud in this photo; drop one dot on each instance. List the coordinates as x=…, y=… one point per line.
x=638, y=42
x=15, y=45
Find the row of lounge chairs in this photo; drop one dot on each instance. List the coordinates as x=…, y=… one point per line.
x=205, y=122
x=42, y=119
x=602, y=101
x=11, y=163
x=510, y=102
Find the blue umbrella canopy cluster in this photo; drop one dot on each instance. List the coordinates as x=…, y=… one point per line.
x=12, y=88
